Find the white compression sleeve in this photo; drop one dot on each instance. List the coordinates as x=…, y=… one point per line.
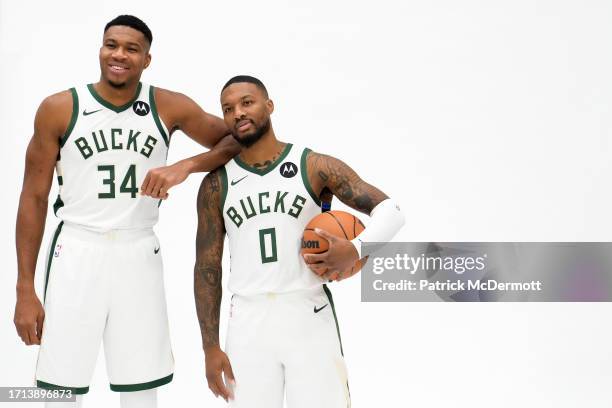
x=386, y=220
x=139, y=399
x=78, y=403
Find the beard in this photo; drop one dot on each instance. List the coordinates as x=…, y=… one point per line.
x=250, y=139
x=116, y=85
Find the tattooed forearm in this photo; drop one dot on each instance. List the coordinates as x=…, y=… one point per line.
x=209, y=251
x=328, y=172
x=207, y=288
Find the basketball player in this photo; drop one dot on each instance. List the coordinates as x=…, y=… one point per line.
x=104, y=269
x=282, y=333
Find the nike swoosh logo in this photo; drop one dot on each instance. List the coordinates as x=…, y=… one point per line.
x=156, y=250
x=234, y=182
x=85, y=113
x=319, y=309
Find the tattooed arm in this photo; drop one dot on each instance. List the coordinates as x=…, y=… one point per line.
x=326, y=172
x=207, y=281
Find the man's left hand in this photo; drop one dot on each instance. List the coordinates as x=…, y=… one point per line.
x=340, y=257
x=159, y=180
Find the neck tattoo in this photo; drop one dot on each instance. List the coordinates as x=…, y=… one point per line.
x=268, y=162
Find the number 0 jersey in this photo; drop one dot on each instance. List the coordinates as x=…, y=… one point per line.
x=104, y=157
x=265, y=212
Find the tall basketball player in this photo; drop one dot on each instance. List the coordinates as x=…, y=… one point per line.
x=282, y=333
x=104, y=270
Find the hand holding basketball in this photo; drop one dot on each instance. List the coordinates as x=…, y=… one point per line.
x=340, y=257
x=326, y=245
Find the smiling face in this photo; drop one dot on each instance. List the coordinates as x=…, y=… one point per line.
x=123, y=56
x=246, y=112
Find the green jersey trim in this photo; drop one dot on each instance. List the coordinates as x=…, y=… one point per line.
x=109, y=105
x=156, y=115
x=73, y=118
x=263, y=172
x=59, y=203
x=224, y=186
x=331, y=303
x=50, y=259
x=303, y=170
x=141, y=386
x=75, y=390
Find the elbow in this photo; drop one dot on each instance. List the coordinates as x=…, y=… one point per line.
x=229, y=153
x=227, y=147
x=34, y=200
x=232, y=148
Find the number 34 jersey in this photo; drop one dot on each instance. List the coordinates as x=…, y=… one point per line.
x=104, y=156
x=265, y=212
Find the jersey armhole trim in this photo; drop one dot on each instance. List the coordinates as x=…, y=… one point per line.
x=156, y=115
x=73, y=118
x=223, y=177
x=303, y=170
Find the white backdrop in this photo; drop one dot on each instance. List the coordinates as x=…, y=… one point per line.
x=486, y=120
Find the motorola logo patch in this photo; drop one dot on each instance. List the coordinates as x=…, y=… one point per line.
x=288, y=169
x=141, y=108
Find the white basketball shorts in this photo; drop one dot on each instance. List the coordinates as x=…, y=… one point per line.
x=287, y=345
x=104, y=287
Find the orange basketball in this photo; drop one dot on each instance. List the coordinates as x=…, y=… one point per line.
x=338, y=223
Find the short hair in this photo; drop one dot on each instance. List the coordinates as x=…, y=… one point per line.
x=132, y=22
x=246, y=78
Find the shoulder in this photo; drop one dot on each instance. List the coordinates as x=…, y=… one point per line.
x=213, y=187
x=166, y=94
x=316, y=161
x=58, y=101
x=216, y=175
x=175, y=107
x=169, y=99
x=55, y=111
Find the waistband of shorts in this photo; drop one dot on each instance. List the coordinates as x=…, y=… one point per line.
x=118, y=235
x=282, y=295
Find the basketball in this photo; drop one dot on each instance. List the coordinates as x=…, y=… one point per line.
x=339, y=223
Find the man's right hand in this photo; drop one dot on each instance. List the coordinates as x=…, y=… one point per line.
x=217, y=363
x=29, y=318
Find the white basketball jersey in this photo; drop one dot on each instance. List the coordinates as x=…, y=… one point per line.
x=265, y=212
x=104, y=157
